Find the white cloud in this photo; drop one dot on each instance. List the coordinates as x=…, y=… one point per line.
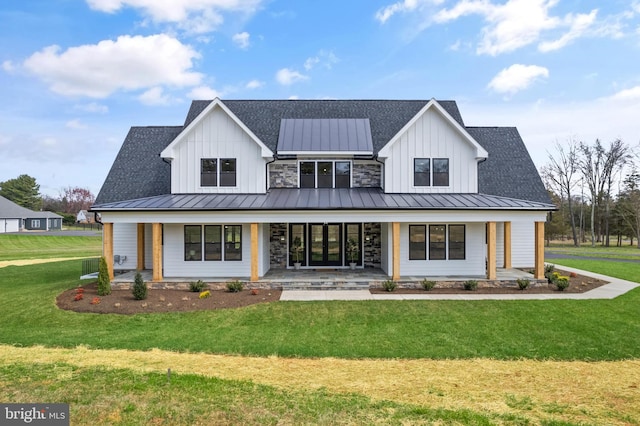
x=241, y=40
x=387, y=12
x=75, y=124
x=324, y=57
x=195, y=16
x=8, y=66
x=293, y=98
x=93, y=107
x=518, y=23
x=516, y=78
x=204, y=92
x=254, y=84
x=129, y=63
x=632, y=94
x=579, y=25
x=286, y=77
x=154, y=96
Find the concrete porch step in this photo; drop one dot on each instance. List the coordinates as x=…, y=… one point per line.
x=326, y=285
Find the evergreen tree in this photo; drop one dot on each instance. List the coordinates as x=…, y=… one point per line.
x=23, y=190
x=104, y=284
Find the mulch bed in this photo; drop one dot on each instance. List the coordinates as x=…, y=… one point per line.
x=122, y=301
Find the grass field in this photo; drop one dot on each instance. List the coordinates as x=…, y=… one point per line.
x=553, y=362
x=39, y=246
x=585, y=250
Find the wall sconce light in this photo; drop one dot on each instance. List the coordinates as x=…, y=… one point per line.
x=367, y=238
x=282, y=238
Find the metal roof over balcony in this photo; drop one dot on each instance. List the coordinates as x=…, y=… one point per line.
x=325, y=136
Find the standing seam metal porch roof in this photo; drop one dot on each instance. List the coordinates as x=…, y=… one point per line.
x=323, y=199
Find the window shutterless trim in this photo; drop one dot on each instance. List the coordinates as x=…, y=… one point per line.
x=418, y=249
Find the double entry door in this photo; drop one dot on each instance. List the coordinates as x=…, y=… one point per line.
x=323, y=244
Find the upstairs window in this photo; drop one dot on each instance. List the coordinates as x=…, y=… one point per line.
x=325, y=174
x=430, y=172
x=212, y=175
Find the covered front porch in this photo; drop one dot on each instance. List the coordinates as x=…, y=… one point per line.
x=329, y=279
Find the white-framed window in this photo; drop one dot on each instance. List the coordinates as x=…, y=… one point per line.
x=35, y=223
x=324, y=173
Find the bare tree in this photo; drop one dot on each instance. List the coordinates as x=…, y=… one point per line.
x=560, y=177
x=599, y=166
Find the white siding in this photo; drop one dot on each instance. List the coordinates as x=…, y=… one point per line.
x=431, y=136
x=522, y=244
x=176, y=266
x=217, y=136
x=473, y=265
x=9, y=225
x=148, y=246
x=125, y=243
x=499, y=244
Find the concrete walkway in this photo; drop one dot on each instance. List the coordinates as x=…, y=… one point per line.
x=615, y=288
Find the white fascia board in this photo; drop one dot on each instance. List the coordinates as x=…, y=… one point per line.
x=326, y=153
x=216, y=103
x=481, y=153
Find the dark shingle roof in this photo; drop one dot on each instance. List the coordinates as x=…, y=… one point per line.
x=326, y=199
x=509, y=170
x=138, y=170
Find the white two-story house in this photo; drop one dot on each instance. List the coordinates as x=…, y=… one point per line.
x=246, y=186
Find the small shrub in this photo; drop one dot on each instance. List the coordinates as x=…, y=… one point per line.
x=139, y=289
x=205, y=294
x=254, y=292
x=104, y=284
x=470, y=285
x=197, y=286
x=234, y=286
x=427, y=284
x=573, y=275
x=562, y=282
x=389, y=285
x=95, y=301
x=523, y=283
x=78, y=297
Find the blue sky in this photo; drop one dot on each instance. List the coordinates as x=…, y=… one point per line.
x=76, y=74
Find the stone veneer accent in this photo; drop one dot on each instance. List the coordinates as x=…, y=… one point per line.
x=283, y=175
x=372, y=248
x=278, y=250
x=366, y=176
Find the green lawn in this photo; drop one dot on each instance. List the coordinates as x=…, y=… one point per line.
x=39, y=246
x=555, y=329
x=625, y=252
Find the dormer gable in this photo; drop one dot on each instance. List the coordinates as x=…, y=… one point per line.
x=169, y=151
x=433, y=105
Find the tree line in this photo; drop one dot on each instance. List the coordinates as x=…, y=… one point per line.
x=25, y=192
x=597, y=190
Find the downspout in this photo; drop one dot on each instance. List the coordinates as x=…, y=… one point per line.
x=266, y=172
x=375, y=158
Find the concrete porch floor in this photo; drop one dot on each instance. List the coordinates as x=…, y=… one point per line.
x=324, y=279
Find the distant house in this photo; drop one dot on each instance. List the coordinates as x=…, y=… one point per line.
x=85, y=216
x=15, y=218
x=402, y=186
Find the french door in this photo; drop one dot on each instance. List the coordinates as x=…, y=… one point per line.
x=325, y=244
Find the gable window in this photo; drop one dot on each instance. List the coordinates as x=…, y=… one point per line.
x=208, y=172
x=417, y=242
x=440, y=172
x=218, y=172
x=421, y=172
x=227, y=172
x=430, y=172
x=325, y=174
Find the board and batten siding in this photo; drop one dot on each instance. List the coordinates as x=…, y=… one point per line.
x=472, y=265
x=176, y=266
x=431, y=136
x=217, y=136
